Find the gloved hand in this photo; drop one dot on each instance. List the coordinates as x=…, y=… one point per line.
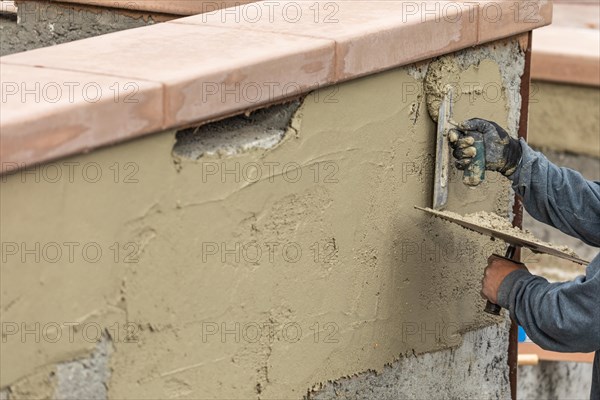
x=502, y=153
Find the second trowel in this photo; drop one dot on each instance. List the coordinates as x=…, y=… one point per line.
x=511, y=237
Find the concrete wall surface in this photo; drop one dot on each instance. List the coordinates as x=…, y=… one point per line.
x=272, y=255
x=555, y=380
x=565, y=118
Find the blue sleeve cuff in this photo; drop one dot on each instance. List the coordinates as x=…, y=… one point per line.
x=507, y=285
x=530, y=160
x=525, y=156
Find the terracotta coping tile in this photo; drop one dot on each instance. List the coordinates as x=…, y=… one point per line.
x=209, y=69
x=586, y=15
x=370, y=35
x=7, y=7
x=177, y=7
x=576, y=1
x=375, y=35
x=569, y=55
x=49, y=113
x=503, y=18
x=206, y=71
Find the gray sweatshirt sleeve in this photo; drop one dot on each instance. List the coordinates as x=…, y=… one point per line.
x=557, y=316
x=559, y=197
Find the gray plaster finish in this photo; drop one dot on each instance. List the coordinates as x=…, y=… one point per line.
x=42, y=24
x=477, y=369
x=554, y=380
x=87, y=378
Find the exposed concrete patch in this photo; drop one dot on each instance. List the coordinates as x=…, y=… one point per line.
x=82, y=379
x=85, y=378
x=474, y=370
x=261, y=129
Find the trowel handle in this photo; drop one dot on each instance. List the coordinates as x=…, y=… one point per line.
x=490, y=307
x=474, y=174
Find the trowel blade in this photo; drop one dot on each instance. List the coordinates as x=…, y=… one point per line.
x=442, y=154
x=508, y=238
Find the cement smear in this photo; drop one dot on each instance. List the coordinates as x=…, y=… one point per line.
x=440, y=76
x=449, y=70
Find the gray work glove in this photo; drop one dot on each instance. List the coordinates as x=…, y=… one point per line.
x=502, y=153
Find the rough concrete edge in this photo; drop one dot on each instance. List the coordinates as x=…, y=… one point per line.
x=386, y=385
x=82, y=378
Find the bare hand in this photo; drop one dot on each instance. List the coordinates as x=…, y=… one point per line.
x=498, y=268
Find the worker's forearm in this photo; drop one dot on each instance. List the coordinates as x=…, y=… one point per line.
x=559, y=197
x=557, y=316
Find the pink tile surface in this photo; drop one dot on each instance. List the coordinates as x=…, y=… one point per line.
x=576, y=15
x=177, y=7
x=370, y=35
x=8, y=7
x=48, y=114
x=569, y=55
x=224, y=62
x=206, y=71
x=503, y=18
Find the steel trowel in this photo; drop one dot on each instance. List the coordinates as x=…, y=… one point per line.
x=536, y=246
x=513, y=242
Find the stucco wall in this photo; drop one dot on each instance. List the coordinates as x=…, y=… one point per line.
x=565, y=118
x=267, y=270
